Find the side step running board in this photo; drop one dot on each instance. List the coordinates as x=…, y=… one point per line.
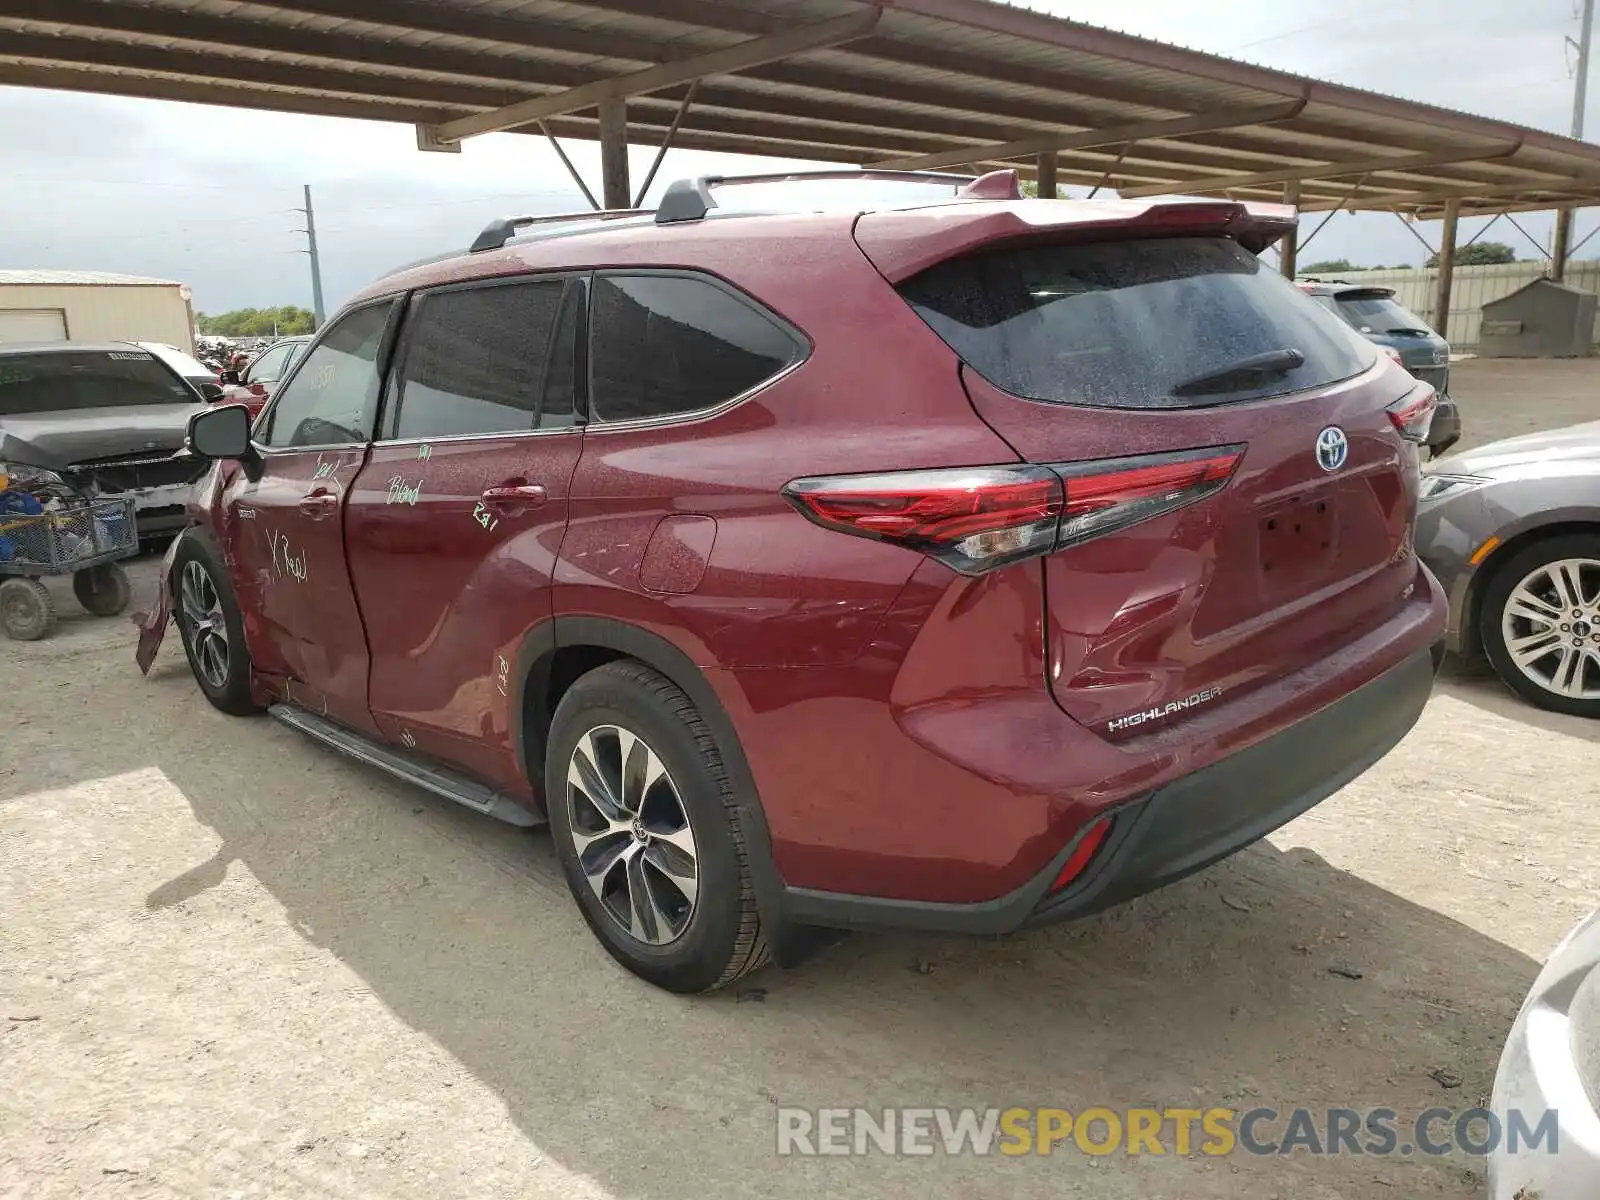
x=440, y=780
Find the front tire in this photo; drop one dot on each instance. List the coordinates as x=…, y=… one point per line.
x=1540, y=623
x=211, y=626
x=645, y=822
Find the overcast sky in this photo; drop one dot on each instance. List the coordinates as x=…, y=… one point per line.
x=204, y=194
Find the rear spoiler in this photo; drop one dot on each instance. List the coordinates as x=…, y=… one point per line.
x=902, y=243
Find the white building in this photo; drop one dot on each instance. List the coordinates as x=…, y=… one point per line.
x=93, y=306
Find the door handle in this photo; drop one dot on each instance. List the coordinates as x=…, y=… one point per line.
x=515, y=495
x=319, y=503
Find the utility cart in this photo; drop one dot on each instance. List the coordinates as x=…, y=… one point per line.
x=82, y=539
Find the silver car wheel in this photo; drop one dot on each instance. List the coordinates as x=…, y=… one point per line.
x=632, y=834
x=200, y=612
x=1551, y=627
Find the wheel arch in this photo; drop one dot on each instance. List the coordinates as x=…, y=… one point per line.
x=556, y=653
x=1472, y=607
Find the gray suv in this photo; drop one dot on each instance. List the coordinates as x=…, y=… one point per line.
x=1374, y=313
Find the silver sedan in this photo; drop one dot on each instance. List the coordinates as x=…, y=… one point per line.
x=1512, y=530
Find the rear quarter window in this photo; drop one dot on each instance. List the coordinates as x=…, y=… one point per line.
x=1122, y=324
x=664, y=345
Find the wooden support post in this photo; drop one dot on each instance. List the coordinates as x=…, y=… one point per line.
x=1289, y=247
x=1047, y=175
x=1447, y=268
x=614, y=154
x=1563, y=241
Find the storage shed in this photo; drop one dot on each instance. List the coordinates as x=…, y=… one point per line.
x=1543, y=319
x=93, y=306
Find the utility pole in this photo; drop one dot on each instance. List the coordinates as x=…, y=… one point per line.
x=1580, y=97
x=316, y=266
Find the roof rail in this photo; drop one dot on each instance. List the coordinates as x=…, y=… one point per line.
x=691, y=199
x=497, y=233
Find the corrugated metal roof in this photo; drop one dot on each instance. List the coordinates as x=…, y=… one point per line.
x=92, y=278
x=930, y=78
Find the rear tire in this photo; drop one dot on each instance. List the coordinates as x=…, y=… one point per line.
x=104, y=591
x=27, y=609
x=211, y=626
x=1540, y=623
x=645, y=822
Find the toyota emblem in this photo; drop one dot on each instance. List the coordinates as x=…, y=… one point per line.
x=1332, y=448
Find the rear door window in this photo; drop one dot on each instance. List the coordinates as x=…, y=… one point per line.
x=1136, y=323
x=486, y=360
x=663, y=345
x=59, y=381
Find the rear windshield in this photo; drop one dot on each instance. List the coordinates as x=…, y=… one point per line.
x=72, y=379
x=1143, y=323
x=1371, y=313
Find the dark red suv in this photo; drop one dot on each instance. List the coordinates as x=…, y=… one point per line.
x=960, y=563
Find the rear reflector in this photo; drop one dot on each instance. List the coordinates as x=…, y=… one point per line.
x=1093, y=837
x=975, y=519
x=1412, y=414
x=1103, y=497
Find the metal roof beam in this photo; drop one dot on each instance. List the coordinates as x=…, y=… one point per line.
x=727, y=61
x=1114, y=135
x=1332, y=170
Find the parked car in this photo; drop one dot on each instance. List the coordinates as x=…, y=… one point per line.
x=832, y=568
x=254, y=386
x=98, y=420
x=1512, y=530
x=1374, y=313
x=1550, y=1072
x=192, y=371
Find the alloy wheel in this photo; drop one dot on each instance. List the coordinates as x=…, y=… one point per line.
x=200, y=609
x=1551, y=627
x=631, y=831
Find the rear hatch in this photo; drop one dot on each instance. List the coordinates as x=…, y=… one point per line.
x=1112, y=351
x=1378, y=316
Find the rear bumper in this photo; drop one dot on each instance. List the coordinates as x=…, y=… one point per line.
x=1182, y=826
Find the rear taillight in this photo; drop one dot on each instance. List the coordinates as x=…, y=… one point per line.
x=1394, y=356
x=974, y=519
x=1103, y=497
x=971, y=518
x=1412, y=414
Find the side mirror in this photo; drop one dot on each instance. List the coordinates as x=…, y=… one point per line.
x=210, y=391
x=224, y=432
x=230, y=376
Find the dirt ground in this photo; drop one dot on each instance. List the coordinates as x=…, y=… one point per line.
x=233, y=963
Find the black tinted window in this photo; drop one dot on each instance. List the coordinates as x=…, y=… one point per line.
x=479, y=361
x=1127, y=324
x=665, y=344
x=334, y=395
x=1376, y=313
x=58, y=382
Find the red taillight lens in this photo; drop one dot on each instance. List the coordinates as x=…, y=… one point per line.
x=1393, y=356
x=1106, y=496
x=1091, y=841
x=1412, y=414
x=972, y=518
x=977, y=518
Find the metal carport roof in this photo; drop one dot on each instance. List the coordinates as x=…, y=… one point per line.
x=903, y=82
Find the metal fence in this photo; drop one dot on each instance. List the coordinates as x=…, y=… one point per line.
x=1473, y=287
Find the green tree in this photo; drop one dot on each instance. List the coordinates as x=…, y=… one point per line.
x=1480, y=254
x=1331, y=266
x=257, y=322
